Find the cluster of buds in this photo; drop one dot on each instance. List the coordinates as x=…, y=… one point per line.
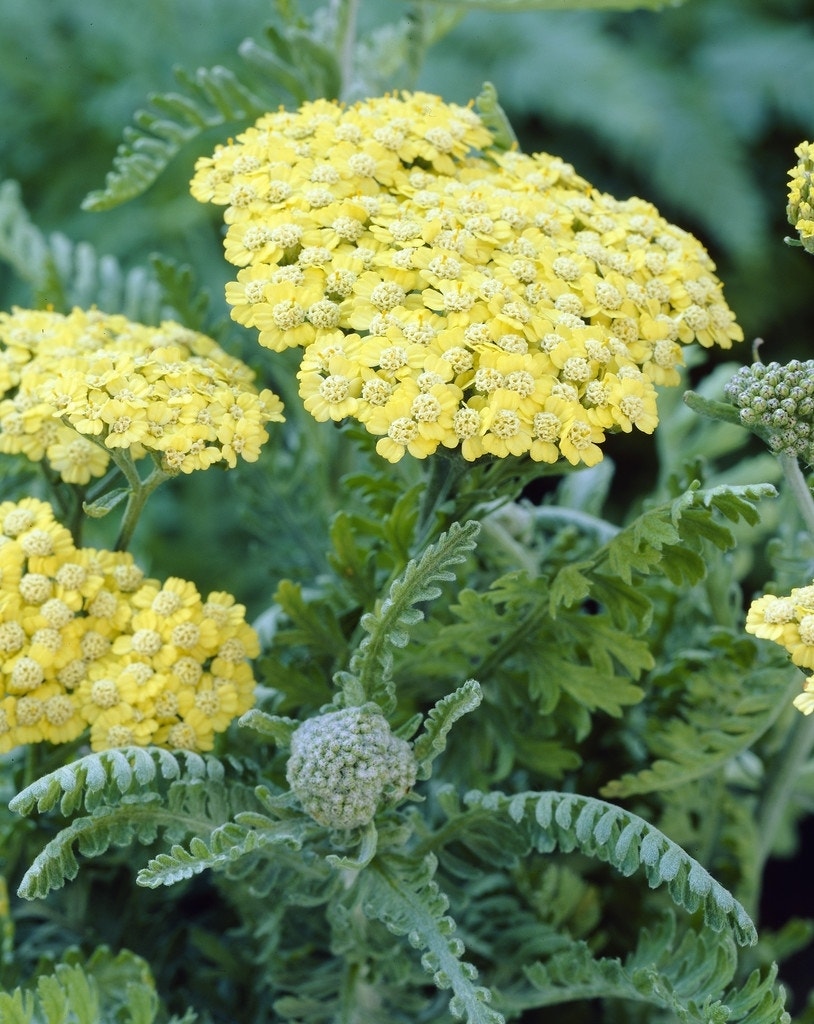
x=346, y=764
x=776, y=402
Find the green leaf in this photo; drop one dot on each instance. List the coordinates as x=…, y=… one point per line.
x=371, y=666
x=704, y=708
x=440, y=719
x=63, y=274
x=101, y=988
x=313, y=623
x=211, y=97
x=109, y=774
x=570, y=821
x=100, y=507
x=406, y=898
x=686, y=975
x=226, y=844
x=668, y=539
x=494, y=117
x=276, y=727
x=131, y=795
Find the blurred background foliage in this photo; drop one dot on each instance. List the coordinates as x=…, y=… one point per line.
x=696, y=108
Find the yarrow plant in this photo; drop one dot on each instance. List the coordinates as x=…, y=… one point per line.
x=445, y=291
x=505, y=744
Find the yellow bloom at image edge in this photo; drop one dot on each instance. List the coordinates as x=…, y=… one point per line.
x=75, y=387
x=88, y=643
x=447, y=294
x=800, y=208
x=789, y=622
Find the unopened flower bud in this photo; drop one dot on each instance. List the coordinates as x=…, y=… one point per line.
x=777, y=402
x=346, y=764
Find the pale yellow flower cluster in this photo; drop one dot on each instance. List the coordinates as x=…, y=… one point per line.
x=801, y=200
x=87, y=641
x=447, y=293
x=73, y=387
x=789, y=622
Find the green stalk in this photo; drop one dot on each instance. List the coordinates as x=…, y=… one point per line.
x=783, y=776
x=443, y=474
x=799, y=488
x=140, y=491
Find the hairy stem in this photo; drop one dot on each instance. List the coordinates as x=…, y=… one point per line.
x=140, y=491
x=799, y=488
x=442, y=475
x=782, y=779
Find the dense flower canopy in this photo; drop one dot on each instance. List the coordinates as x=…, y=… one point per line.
x=789, y=622
x=801, y=201
x=74, y=387
x=86, y=641
x=445, y=292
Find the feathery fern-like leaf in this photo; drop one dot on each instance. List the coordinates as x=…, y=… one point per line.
x=687, y=976
x=668, y=539
x=224, y=846
x=131, y=795
x=371, y=666
x=722, y=698
x=569, y=821
x=63, y=274
x=94, y=778
x=405, y=896
x=433, y=738
x=88, y=990
x=211, y=97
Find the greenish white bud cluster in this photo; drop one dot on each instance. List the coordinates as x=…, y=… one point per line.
x=345, y=764
x=776, y=401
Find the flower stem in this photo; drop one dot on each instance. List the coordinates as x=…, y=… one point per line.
x=443, y=474
x=140, y=491
x=783, y=776
x=799, y=488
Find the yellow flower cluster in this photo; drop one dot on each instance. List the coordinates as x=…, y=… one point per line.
x=447, y=293
x=86, y=640
x=72, y=388
x=789, y=622
x=801, y=200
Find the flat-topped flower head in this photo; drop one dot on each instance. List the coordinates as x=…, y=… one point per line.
x=81, y=385
x=86, y=640
x=800, y=209
x=393, y=233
